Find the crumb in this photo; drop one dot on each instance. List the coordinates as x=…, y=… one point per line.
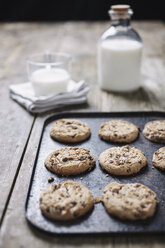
x=81, y=178
x=98, y=199
x=50, y=179
x=107, y=175
x=152, y=167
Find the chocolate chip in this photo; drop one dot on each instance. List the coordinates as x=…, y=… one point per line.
x=72, y=204
x=65, y=159
x=91, y=163
x=50, y=179
x=75, y=214
x=82, y=158
x=57, y=186
x=74, y=127
x=83, y=204
x=90, y=158
x=60, y=209
x=47, y=210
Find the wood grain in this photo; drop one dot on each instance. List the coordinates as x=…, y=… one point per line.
x=78, y=39
x=15, y=122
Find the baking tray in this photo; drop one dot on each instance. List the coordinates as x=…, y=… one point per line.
x=98, y=220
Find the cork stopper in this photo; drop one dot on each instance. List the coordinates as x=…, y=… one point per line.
x=120, y=7
x=120, y=11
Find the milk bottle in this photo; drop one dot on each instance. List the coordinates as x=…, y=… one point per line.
x=119, y=53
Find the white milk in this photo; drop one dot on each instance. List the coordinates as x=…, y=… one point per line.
x=119, y=63
x=48, y=81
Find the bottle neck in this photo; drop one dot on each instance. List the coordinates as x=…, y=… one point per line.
x=126, y=22
x=121, y=18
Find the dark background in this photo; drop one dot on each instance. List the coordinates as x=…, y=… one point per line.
x=60, y=10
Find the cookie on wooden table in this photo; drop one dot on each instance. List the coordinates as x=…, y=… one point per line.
x=67, y=130
x=155, y=131
x=66, y=201
x=123, y=160
x=159, y=158
x=70, y=161
x=132, y=201
x=118, y=131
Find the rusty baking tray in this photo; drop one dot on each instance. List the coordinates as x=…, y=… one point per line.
x=98, y=220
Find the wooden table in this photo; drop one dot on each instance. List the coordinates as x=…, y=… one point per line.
x=19, y=130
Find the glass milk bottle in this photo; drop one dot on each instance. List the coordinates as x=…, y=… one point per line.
x=119, y=53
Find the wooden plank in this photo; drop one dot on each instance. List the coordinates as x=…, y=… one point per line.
x=15, y=122
x=80, y=40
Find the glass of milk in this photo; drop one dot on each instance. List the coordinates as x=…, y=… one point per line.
x=49, y=72
x=119, y=53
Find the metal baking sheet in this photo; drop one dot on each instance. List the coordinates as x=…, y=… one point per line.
x=98, y=220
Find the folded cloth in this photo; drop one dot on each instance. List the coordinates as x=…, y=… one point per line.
x=24, y=95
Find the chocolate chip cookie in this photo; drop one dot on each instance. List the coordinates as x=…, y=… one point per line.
x=118, y=131
x=70, y=161
x=123, y=160
x=133, y=201
x=159, y=158
x=155, y=131
x=66, y=130
x=66, y=201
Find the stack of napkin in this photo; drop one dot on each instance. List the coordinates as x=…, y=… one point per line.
x=24, y=95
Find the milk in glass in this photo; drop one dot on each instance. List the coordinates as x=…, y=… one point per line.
x=49, y=72
x=48, y=81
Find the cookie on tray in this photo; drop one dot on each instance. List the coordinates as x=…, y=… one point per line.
x=132, y=201
x=70, y=161
x=155, y=131
x=67, y=130
x=118, y=131
x=159, y=158
x=66, y=201
x=123, y=160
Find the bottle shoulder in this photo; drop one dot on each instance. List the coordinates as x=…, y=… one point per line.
x=121, y=32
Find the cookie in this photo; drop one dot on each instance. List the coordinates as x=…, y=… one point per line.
x=70, y=161
x=155, y=131
x=123, y=160
x=159, y=158
x=118, y=131
x=132, y=201
x=66, y=130
x=66, y=201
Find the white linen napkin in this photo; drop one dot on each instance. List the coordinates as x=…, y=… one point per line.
x=24, y=95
